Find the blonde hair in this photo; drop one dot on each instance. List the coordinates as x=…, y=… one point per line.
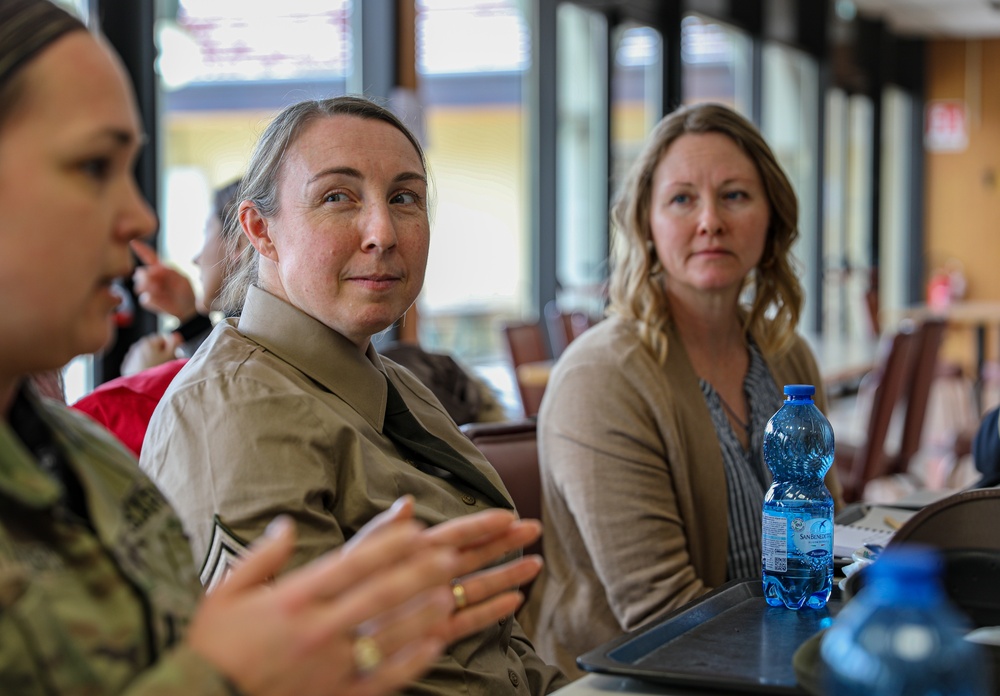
x=636, y=284
x=259, y=184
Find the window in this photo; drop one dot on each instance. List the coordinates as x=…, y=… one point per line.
x=716, y=63
x=636, y=93
x=472, y=56
x=895, y=226
x=790, y=124
x=847, y=261
x=582, y=159
x=80, y=8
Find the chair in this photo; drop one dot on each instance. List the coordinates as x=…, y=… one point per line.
x=512, y=448
x=526, y=344
x=577, y=323
x=857, y=464
x=559, y=326
x=563, y=327
x=925, y=363
x=965, y=520
x=872, y=304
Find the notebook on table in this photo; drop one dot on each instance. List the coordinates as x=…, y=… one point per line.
x=866, y=524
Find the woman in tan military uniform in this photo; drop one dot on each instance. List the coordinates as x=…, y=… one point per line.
x=97, y=590
x=289, y=408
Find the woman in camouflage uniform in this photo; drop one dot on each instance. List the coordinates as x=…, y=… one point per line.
x=97, y=590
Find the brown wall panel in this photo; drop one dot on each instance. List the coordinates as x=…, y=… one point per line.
x=962, y=202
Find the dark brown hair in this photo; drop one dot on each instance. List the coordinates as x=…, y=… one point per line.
x=26, y=28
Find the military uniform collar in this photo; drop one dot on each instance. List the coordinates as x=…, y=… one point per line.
x=20, y=476
x=318, y=351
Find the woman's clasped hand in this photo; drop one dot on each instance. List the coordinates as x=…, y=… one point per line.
x=384, y=599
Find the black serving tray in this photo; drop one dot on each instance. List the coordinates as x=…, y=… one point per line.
x=728, y=639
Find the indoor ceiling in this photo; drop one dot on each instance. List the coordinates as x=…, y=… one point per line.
x=935, y=18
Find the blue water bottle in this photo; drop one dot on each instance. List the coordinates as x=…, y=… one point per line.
x=900, y=636
x=797, y=525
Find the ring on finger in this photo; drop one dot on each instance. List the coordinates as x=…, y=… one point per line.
x=367, y=655
x=458, y=591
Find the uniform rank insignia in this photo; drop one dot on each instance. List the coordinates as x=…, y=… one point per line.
x=224, y=554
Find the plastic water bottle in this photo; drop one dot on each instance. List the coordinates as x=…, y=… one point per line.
x=797, y=525
x=900, y=636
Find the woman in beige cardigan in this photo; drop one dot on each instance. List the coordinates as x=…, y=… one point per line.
x=651, y=426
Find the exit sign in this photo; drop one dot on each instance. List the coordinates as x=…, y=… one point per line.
x=946, y=126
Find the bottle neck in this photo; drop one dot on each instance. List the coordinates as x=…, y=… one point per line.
x=793, y=400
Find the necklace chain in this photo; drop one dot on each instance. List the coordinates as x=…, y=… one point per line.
x=732, y=414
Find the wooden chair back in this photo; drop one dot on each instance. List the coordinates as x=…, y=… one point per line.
x=563, y=327
x=928, y=345
x=512, y=448
x=559, y=327
x=526, y=344
x=860, y=464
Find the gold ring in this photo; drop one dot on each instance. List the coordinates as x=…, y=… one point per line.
x=458, y=590
x=367, y=655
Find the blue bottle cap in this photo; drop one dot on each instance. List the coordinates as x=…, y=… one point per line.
x=799, y=390
x=907, y=561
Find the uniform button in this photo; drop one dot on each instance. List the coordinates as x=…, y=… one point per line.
x=468, y=499
x=514, y=679
x=503, y=621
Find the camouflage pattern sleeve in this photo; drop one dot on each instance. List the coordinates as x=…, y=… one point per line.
x=97, y=605
x=181, y=672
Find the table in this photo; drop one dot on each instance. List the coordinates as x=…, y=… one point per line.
x=597, y=684
x=535, y=374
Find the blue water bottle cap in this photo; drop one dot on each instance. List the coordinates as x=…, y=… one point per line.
x=799, y=390
x=908, y=561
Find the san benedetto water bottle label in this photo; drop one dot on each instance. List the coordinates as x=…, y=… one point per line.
x=809, y=536
x=775, y=543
